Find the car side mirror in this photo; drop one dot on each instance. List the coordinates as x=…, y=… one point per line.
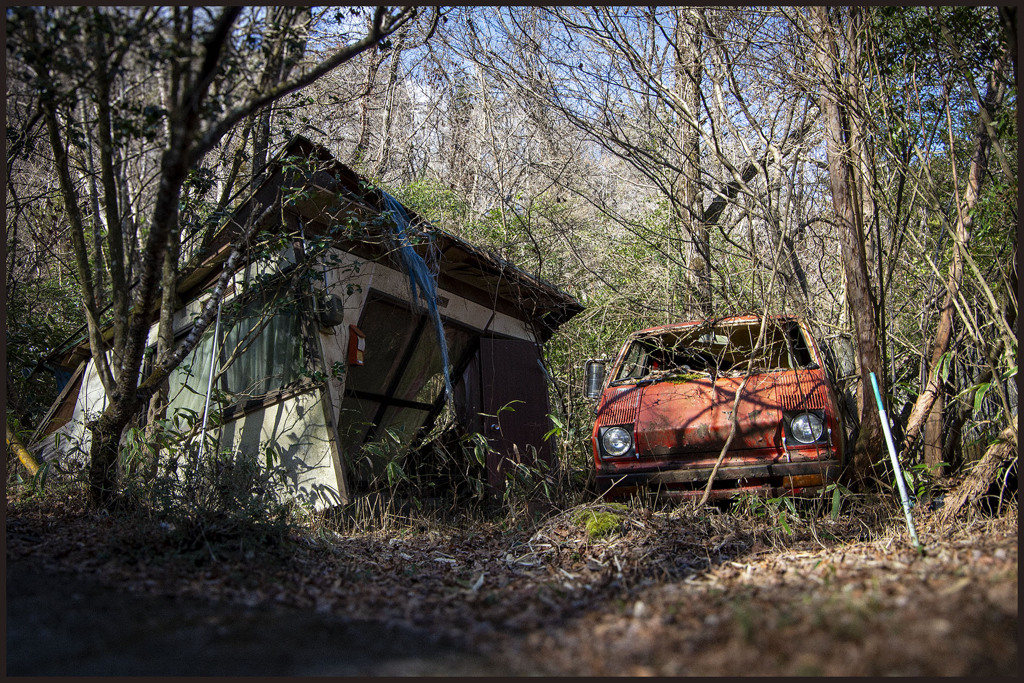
x=595, y=371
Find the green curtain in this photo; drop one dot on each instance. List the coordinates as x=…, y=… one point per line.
x=272, y=358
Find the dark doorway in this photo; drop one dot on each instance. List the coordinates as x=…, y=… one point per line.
x=391, y=397
x=511, y=375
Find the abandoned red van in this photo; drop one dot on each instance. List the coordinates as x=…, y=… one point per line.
x=665, y=411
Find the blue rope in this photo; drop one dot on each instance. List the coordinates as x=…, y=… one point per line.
x=422, y=279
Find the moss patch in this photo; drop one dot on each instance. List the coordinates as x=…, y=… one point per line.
x=684, y=377
x=601, y=523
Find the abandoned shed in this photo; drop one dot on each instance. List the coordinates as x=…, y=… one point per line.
x=329, y=339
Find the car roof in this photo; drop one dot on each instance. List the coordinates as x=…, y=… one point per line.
x=712, y=322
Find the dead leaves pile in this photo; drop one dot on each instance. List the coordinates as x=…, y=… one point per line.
x=857, y=608
x=676, y=591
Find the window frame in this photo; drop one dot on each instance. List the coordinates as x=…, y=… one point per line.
x=246, y=404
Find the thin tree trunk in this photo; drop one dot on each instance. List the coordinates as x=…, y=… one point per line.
x=236, y=165
x=363, y=143
x=389, y=105
x=923, y=406
x=165, y=332
x=77, y=231
x=115, y=246
x=933, y=432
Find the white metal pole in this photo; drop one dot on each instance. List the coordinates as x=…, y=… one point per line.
x=209, y=383
x=895, y=463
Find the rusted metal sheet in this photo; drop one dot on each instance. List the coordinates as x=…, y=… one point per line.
x=620, y=405
x=802, y=390
x=694, y=416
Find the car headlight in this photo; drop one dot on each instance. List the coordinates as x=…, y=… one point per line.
x=807, y=427
x=616, y=441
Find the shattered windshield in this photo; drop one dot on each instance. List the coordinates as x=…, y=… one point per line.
x=706, y=350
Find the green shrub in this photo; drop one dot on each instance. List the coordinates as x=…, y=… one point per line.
x=214, y=501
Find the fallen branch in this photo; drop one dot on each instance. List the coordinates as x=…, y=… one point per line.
x=26, y=458
x=984, y=473
x=733, y=425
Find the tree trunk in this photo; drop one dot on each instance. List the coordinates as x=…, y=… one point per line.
x=383, y=152
x=933, y=432
x=103, y=454
x=165, y=334
x=868, y=448
x=363, y=143
x=688, y=199
x=863, y=170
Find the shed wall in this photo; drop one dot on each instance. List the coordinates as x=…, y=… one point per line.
x=72, y=440
x=297, y=434
x=295, y=429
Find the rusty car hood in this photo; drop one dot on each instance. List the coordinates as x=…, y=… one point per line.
x=696, y=415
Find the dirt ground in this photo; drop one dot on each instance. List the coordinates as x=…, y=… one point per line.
x=675, y=591
x=59, y=623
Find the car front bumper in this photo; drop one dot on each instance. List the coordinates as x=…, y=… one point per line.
x=766, y=478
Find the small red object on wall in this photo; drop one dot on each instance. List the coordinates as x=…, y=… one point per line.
x=356, y=345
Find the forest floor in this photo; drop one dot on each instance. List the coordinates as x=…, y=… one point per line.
x=677, y=590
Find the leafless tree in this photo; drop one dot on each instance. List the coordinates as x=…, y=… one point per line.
x=95, y=55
